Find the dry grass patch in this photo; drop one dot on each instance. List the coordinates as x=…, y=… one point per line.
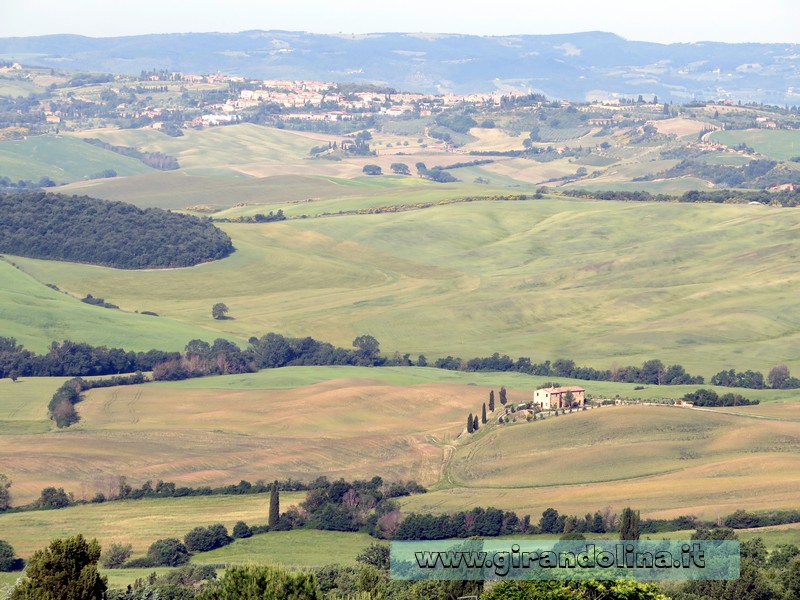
x=679, y=126
x=345, y=428
x=666, y=462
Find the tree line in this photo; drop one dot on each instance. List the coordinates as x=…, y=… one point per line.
x=704, y=397
x=274, y=350
x=652, y=372
x=112, y=234
x=75, y=359
x=788, y=197
x=155, y=160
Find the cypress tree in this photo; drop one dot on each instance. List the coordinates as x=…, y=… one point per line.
x=503, y=399
x=629, y=524
x=475, y=423
x=274, y=505
x=483, y=414
x=469, y=423
x=491, y=400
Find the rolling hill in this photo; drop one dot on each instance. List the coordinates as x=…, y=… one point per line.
x=603, y=283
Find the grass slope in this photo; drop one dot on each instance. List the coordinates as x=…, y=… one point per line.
x=301, y=548
x=135, y=522
x=665, y=461
x=775, y=144
x=604, y=283
x=226, y=150
x=36, y=315
x=61, y=158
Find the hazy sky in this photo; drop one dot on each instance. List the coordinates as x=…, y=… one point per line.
x=647, y=20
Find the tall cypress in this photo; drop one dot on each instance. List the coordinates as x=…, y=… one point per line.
x=503, y=399
x=629, y=525
x=475, y=423
x=483, y=414
x=274, y=505
x=469, y=423
x=491, y=400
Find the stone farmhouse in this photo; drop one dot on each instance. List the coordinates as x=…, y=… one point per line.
x=556, y=397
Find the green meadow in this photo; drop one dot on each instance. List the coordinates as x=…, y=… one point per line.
x=603, y=283
x=228, y=150
x=777, y=144
x=136, y=522
x=37, y=315
x=62, y=158
x=301, y=548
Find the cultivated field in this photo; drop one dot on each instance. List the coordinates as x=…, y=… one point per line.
x=604, y=283
x=408, y=423
x=666, y=461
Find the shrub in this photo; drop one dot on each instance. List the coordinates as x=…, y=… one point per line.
x=242, y=530
x=9, y=562
x=53, y=498
x=116, y=556
x=169, y=552
x=142, y=562
x=203, y=539
x=264, y=581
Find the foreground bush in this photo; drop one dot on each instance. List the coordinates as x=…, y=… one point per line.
x=256, y=582
x=66, y=569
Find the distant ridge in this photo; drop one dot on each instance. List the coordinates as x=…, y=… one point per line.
x=578, y=66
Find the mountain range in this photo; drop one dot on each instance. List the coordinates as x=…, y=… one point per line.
x=578, y=67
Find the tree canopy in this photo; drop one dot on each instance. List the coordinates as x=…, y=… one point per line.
x=66, y=569
x=113, y=234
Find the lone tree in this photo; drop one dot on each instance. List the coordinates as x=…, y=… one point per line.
x=629, y=524
x=5, y=495
x=778, y=376
x=400, y=168
x=491, y=400
x=219, y=310
x=65, y=569
x=367, y=347
x=503, y=398
x=372, y=170
x=274, y=505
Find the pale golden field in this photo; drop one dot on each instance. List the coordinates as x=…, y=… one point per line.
x=665, y=461
x=343, y=428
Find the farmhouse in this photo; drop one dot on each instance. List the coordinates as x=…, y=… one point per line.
x=556, y=397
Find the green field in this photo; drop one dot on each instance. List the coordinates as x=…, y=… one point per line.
x=604, y=283
x=301, y=548
x=775, y=144
x=135, y=522
x=21, y=407
x=62, y=158
x=36, y=315
x=229, y=150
